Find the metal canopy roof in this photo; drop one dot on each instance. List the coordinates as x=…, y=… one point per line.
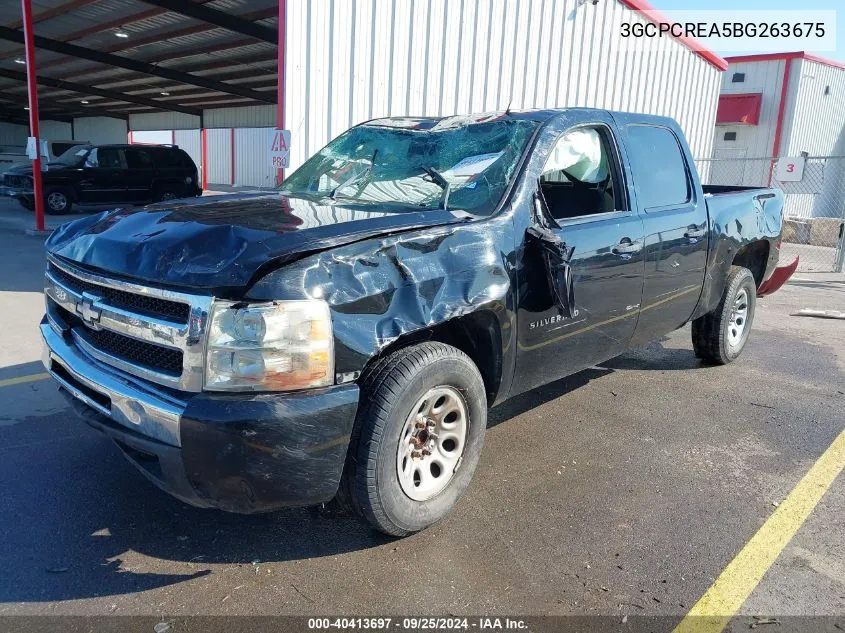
x=121, y=57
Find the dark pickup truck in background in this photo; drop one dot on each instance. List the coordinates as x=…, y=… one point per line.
x=100, y=175
x=343, y=337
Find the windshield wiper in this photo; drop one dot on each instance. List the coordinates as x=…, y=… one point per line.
x=352, y=180
x=438, y=179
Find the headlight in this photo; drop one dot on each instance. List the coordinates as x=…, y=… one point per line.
x=269, y=347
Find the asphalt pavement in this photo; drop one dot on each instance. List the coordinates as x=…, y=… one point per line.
x=623, y=490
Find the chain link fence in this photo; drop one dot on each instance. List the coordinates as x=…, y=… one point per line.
x=814, y=206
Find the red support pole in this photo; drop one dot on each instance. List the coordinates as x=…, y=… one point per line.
x=280, y=86
x=32, y=91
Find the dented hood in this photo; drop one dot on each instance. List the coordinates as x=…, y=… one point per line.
x=222, y=241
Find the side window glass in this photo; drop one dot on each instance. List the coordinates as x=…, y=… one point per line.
x=658, y=166
x=581, y=176
x=92, y=160
x=138, y=159
x=108, y=158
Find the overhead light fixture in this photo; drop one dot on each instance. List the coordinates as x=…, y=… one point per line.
x=121, y=33
x=164, y=93
x=20, y=60
x=84, y=102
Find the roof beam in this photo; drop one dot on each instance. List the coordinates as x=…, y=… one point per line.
x=145, y=68
x=49, y=110
x=133, y=42
x=91, y=90
x=51, y=13
x=219, y=18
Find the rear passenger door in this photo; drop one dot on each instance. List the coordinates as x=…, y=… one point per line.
x=676, y=227
x=140, y=175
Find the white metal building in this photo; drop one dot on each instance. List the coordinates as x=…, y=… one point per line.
x=346, y=61
x=783, y=105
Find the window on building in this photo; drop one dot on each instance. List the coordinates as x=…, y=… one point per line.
x=738, y=78
x=730, y=136
x=658, y=165
x=581, y=176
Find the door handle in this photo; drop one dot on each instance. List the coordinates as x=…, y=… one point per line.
x=693, y=232
x=627, y=247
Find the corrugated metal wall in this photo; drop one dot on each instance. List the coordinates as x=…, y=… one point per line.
x=752, y=141
x=100, y=130
x=348, y=62
x=189, y=140
x=815, y=121
x=14, y=135
x=163, y=121
x=55, y=130
x=252, y=165
x=249, y=116
x=219, y=156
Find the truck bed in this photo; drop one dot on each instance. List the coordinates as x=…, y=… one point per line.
x=715, y=190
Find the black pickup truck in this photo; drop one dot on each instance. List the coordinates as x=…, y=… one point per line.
x=344, y=336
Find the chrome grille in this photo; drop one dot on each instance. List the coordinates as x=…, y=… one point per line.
x=151, y=333
x=143, y=304
x=147, y=355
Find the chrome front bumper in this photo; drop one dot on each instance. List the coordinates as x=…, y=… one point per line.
x=131, y=404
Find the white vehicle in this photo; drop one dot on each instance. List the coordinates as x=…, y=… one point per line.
x=12, y=155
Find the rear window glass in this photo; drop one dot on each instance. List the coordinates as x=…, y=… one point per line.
x=660, y=174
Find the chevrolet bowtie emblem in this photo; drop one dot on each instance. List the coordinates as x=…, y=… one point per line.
x=89, y=314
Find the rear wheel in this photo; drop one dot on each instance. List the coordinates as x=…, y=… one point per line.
x=167, y=192
x=720, y=336
x=57, y=201
x=417, y=438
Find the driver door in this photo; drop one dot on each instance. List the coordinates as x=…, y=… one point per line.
x=593, y=231
x=103, y=177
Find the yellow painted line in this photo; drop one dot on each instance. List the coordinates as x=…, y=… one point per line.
x=727, y=594
x=8, y=382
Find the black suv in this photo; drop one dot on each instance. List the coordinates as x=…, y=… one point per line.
x=108, y=174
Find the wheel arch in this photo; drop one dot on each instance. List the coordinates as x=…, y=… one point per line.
x=755, y=257
x=478, y=335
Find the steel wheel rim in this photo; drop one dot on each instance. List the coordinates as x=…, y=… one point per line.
x=432, y=442
x=56, y=201
x=739, y=318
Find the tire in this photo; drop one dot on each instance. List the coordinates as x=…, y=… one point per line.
x=57, y=201
x=165, y=193
x=720, y=336
x=386, y=434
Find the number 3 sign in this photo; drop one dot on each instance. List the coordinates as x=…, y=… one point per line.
x=790, y=169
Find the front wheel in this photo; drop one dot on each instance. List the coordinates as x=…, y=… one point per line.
x=720, y=336
x=57, y=201
x=417, y=438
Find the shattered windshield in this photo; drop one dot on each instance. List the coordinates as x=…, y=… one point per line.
x=75, y=156
x=464, y=167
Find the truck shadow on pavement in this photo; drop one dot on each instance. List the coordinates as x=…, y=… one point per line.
x=79, y=522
